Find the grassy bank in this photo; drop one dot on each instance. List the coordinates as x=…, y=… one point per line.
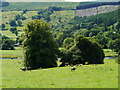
x=86, y=76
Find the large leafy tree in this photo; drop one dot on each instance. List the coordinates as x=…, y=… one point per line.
x=40, y=49
x=83, y=51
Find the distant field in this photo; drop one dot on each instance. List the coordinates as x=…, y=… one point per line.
x=38, y=5
x=86, y=76
x=6, y=16
x=8, y=34
x=12, y=53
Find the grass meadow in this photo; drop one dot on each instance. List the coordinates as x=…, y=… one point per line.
x=17, y=53
x=86, y=76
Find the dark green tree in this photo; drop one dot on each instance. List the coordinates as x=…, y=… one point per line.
x=40, y=49
x=83, y=51
x=7, y=43
x=3, y=26
x=19, y=22
x=12, y=23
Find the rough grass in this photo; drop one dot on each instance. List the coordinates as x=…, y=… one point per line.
x=86, y=76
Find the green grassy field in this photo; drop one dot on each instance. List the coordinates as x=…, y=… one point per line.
x=86, y=76
x=17, y=53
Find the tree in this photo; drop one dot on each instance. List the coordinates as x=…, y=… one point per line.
x=60, y=38
x=83, y=51
x=16, y=32
x=13, y=30
x=24, y=11
x=19, y=22
x=7, y=43
x=3, y=26
x=67, y=42
x=40, y=49
x=115, y=45
x=12, y=23
x=23, y=17
x=5, y=4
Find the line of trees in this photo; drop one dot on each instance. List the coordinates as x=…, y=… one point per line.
x=85, y=5
x=41, y=50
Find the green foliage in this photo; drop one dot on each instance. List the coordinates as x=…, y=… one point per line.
x=115, y=45
x=2, y=26
x=83, y=51
x=18, y=16
x=12, y=23
x=85, y=5
x=67, y=42
x=7, y=44
x=60, y=38
x=24, y=11
x=40, y=49
x=13, y=30
x=5, y=4
x=19, y=23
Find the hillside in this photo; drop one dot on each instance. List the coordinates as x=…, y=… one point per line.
x=65, y=21
x=18, y=6
x=96, y=10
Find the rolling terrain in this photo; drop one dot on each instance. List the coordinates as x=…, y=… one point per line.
x=64, y=15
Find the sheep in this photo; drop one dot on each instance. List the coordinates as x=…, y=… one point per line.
x=94, y=64
x=23, y=69
x=26, y=68
x=81, y=64
x=29, y=68
x=74, y=68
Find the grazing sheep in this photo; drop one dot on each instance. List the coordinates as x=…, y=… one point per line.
x=29, y=68
x=26, y=68
x=74, y=68
x=94, y=64
x=23, y=69
x=81, y=64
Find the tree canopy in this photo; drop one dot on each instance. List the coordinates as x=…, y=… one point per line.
x=83, y=51
x=40, y=49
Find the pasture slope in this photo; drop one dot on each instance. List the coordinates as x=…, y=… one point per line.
x=86, y=76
